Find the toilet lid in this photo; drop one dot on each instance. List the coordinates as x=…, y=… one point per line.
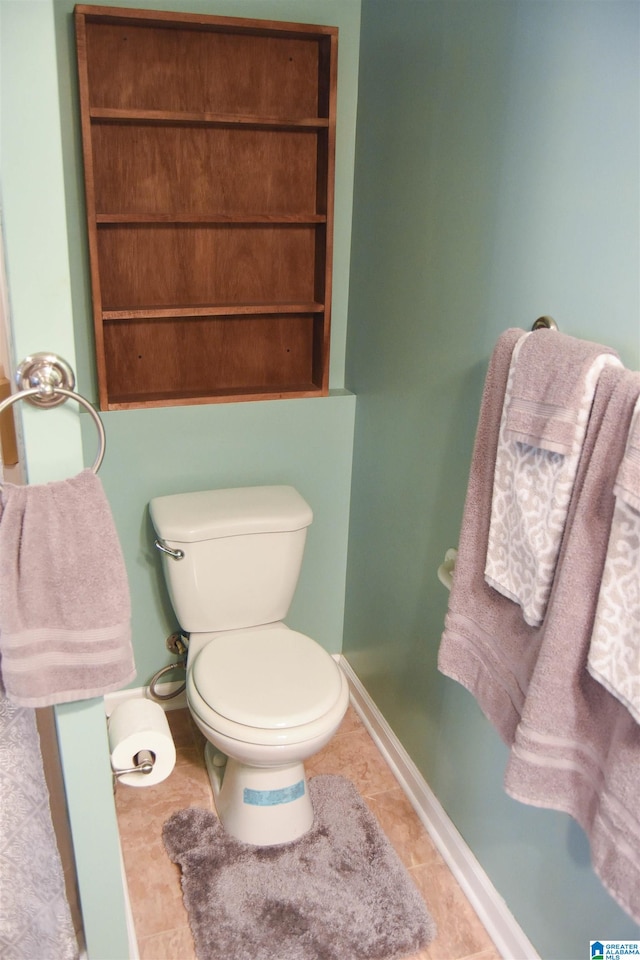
x=267, y=678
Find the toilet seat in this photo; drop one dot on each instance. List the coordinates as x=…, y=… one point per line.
x=271, y=687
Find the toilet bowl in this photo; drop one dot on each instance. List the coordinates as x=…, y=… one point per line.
x=266, y=697
x=262, y=725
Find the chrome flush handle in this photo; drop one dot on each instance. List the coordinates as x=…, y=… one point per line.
x=174, y=554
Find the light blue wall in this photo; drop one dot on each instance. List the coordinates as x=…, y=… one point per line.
x=307, y=443
x=497, y=180
x=497, y=175
x=155, y=452
x=34, y=225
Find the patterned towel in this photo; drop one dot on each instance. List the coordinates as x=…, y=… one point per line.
x=614, y=654
x=550, y=389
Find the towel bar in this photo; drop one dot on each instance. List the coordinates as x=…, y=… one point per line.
x=447, y=568
x=47, y=380
x=544, y=323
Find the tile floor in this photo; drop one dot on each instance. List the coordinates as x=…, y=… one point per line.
x=160, y=919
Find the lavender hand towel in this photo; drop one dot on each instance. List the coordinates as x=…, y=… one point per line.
x=614, y=653
x=64, y=597
x=552, y=391
x=546, y=409
x=486, y=646
x=577, y=748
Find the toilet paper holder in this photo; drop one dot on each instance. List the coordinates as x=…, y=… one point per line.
x=143, y=760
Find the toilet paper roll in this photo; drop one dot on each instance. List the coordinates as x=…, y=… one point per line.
x=136, y=725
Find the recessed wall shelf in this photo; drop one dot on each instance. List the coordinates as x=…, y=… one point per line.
x=209, y=169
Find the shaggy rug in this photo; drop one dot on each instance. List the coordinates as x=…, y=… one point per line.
x=340, y=892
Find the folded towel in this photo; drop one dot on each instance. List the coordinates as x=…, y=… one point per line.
x=486, y=646
x=64, y=597
x=614, y=654
x=577, y=748
x=551, y=393
x=546, y=409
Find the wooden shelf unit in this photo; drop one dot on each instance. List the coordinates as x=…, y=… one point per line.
x=209, y=170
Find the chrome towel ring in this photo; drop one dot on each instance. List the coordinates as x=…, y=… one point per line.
x=46, y=380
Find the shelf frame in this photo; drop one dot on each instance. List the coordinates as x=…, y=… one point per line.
x=283, y=250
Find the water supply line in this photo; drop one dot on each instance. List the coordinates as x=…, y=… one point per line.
x=177, y=643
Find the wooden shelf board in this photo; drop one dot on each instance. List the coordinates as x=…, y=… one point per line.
x=174, y=117
x=195, y=220
x=132, y=401
x=211, y=310
x=198, y=21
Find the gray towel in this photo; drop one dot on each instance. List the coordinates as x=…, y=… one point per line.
x=574, y=747
x=614, y=654
x=577, y=748
x=549, y=394
x=65, y=610
x=486, y=646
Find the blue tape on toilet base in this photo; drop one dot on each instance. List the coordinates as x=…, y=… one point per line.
x=272, y=798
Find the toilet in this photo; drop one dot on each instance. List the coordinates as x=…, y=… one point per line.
x=265, y=696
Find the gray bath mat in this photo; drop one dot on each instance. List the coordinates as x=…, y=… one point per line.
x=340, y=892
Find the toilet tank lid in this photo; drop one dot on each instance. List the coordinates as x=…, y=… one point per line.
x=237, y=511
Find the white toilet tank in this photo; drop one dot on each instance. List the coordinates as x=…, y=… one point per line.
x=242, y=552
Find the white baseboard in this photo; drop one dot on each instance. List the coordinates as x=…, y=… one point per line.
x=491, y=909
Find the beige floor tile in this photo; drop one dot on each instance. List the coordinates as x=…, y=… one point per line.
x=160, y=918
x=142, y=811
x=181, y=727
x=172, y=945
x=460, y=933
x=491, y=954
x=190, y=756
x=153, y=880
x=155, y=893
x=356, y=757
x=350, y=724
x=403, y=828
x=422, y=955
